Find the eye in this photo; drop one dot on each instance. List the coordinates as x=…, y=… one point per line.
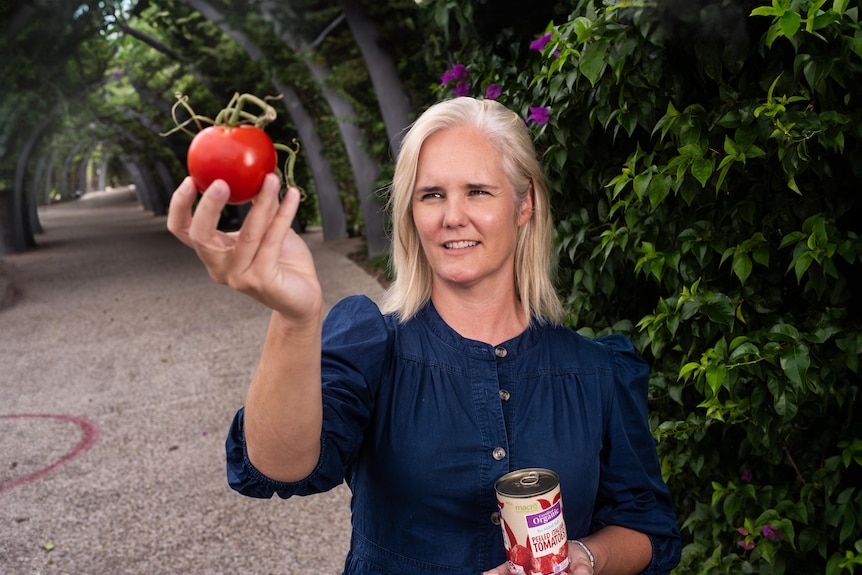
x=430, y=196
x=478, y=192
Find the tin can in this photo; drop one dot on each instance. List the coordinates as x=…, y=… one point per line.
x=531, y=515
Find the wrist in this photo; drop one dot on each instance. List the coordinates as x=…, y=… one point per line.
x=585, y=552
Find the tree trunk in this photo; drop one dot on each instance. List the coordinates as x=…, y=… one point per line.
x=103, y=170
x=363, y=166
x=68, y=184
x=394, y=104
x=84, y=169
x=36, y=185
x=355, y=143
x=18, y=218
x=49, y=177
x=142, y=187
x=169, y=184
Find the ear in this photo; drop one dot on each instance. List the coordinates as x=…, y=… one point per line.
x=525, y=214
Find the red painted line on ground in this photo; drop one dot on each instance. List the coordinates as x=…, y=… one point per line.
x=91, y=434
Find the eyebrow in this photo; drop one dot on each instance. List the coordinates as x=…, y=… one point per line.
x=436, y=189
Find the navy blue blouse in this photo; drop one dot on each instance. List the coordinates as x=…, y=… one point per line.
x=421, y=422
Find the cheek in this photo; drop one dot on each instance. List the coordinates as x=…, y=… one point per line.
x=424, y=222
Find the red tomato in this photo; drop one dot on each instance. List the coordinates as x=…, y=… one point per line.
x=240, y=155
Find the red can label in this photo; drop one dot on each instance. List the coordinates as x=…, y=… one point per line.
x=534, y=529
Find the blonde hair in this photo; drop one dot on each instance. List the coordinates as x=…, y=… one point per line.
x=508, y=133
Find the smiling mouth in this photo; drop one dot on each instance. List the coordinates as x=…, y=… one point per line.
x=459, y=245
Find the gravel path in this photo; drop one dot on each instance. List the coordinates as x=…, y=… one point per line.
x=121, y=366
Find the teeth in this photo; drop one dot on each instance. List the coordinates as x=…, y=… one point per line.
x=460, y=245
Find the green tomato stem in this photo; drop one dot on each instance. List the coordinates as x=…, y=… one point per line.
x=289, y=165
x=234, y=114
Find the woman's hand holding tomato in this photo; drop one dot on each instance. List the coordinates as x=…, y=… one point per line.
x=266, y=259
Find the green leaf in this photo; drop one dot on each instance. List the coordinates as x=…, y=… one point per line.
x=686, y=370
x=715, y=375
x=720, y=310
x=801, y=264
x=592, y=61
x=744, y=350
x=791, y=183
x=702, y=169
x=789, y=23
x=795, y=361
x=765, y=11
x=783, y=332
x=641, y=183
x=791, y=238
x=742, y=266
x=785, y=406
x=658, y=190
x=730, y=147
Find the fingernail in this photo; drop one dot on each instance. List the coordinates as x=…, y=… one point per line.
x=219, y=190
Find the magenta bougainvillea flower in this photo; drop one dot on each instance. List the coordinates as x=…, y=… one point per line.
x=493, y=91
x=542, y=41
x=456, y=72
x=462, y=88
x=770, y=533
x=746, y=475
x=747, y=545
x=539, y=115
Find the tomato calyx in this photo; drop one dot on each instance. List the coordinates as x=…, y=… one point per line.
x=236, y=114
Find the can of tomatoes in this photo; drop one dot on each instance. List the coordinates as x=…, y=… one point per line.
x=531, y=514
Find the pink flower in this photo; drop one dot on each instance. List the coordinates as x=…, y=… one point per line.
x=770, y=533
x=456, y=72
x=539, y=114
x=742, y=530
x=493, y=91
x=746, y=475
x=747, y=545
x=542, y=41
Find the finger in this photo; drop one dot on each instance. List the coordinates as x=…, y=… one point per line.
x=283, y=221
x=271, y=248
x=204, y=227
x=180, y=210
x=257, y=222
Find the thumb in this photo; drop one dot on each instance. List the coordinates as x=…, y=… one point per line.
x=501, y=570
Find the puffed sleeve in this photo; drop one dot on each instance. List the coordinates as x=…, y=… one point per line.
x=355, y=351
x=632, y=492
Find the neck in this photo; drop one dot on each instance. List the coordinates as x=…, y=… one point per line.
x=488, y=317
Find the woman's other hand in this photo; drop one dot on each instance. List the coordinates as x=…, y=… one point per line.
x=579, y=563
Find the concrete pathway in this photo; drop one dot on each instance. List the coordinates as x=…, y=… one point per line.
x=121, y=366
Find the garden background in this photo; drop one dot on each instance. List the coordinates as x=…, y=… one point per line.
x=704, y=159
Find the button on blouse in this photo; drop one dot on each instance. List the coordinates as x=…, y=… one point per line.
x=412, y=412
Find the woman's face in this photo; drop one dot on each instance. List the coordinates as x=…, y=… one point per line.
x=465, y=211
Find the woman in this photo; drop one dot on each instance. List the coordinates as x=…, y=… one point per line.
x=463, y=375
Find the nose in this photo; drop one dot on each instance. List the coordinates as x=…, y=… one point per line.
x=455, y=213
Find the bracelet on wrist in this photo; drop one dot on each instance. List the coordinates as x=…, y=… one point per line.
x=587, y=551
